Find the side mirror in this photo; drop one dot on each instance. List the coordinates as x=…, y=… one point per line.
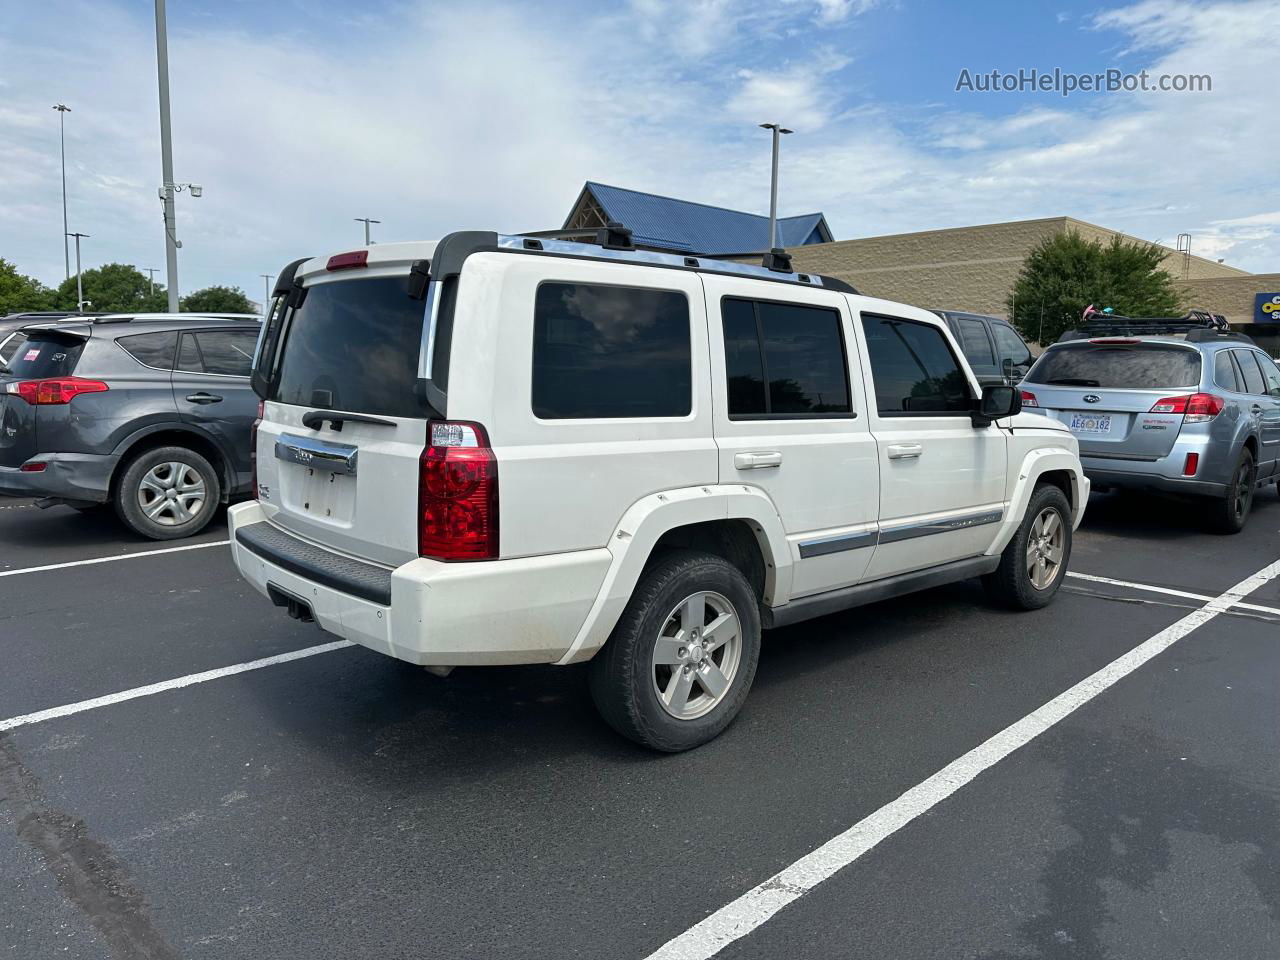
x=998, y=401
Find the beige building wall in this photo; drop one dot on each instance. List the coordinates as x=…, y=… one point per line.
x=1230, y=296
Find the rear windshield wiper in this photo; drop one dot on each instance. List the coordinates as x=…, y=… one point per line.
x=315, y=419
x=1073, y=382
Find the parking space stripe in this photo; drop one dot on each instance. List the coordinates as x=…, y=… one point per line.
x=1150, y=588
x=755, y=907
x=175, y=684
x=119, y=556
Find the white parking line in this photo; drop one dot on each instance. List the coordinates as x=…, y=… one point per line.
x=755, y=907
x=119, y=556
x=174, y=684
x=1167, y=591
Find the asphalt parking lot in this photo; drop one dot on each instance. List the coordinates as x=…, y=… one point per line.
x=342, y=804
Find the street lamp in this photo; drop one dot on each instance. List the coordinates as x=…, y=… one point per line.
x=778, y=130
x=63, y=110
x=80, y=301
x=266, y=293
x=151, y=275
x=366, y=221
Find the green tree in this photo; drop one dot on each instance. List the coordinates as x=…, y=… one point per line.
x=217, y=299
x=19, y=293
x=113, y=288
x=1065, y=273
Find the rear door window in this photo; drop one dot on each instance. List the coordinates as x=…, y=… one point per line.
x=1119, y=366
x=153, y=349
x=976, y=345
x=226, y=353
x=45, y=355
x=784, y=360
x=353, y=345
x=605, y=352
x=1224, y=372
x=1011, y=346
x=1253, y=381
x=1270, y=375
x=913, y=370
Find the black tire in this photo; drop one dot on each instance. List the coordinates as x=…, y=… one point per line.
x=1010, y=584
x=1231, y=511
x=623, y=676
x=130, y=510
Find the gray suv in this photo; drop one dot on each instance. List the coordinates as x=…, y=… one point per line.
x=150, y=413
x=1194, y=411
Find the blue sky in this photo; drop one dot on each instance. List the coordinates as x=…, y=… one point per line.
x=297, y=117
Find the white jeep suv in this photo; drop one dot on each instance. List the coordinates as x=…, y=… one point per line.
x=508, y=449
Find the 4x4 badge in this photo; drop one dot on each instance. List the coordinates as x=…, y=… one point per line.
x=1091, y=398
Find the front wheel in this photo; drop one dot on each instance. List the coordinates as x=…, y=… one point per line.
x=1034, y=563
x=679, y=664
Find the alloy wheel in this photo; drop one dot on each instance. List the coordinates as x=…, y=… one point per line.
x=696, y=655
x=171, y=493
x=1045, y=544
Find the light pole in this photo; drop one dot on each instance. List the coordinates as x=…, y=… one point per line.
x=266, y=293
x=366, y=221
x=63, y=110
x=151, y=275
x=166, y=158
x=778, y=130
x=79, y=287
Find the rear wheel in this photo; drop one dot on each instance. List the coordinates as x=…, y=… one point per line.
x=1034, y=563
x=168, y=493
x=680, y=662
x=1231, y=512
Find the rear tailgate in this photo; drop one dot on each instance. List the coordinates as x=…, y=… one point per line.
x=1105, y=393
x=347, y=482
x=44, y=354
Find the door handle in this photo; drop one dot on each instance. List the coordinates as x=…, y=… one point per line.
x=203, y=398
x=757, y=461
x=905, y=451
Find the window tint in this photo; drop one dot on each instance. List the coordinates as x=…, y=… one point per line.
x=976, y=344
x=798, y=351
x=45, y=355
x=1010, y=345
x=913, y=369
x=1253, y=381
x=228, y=353
x=605, y=352
x=1270, y=373
x=353, y=345
x=1224, y=372
x=1137, y=366
x=153, y=349
x=11, y=345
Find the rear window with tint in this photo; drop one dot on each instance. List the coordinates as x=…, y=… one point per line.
x=45, y=356
x=153, y=349
x=353, y=346
x=601, y=351
x=1137, y=366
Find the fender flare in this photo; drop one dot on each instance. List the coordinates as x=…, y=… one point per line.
x=646, y=520
x=125, y=447
x=1037, y=463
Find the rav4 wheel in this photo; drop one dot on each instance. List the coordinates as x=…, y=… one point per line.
x=679, y=664
x=168, y=493
x=1034, y=563
x=1232, y=511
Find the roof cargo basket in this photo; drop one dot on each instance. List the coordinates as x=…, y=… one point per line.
x=1197, y=326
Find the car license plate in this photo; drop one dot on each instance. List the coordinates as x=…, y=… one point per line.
x=1090, y=424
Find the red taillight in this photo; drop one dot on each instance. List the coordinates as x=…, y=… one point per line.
x=458, y=494
x=57, y=390
x=345, y=261
x=253, y=447
x=1029, y=399
x=1192, y=465
x=1195, y=407
x=34, y=466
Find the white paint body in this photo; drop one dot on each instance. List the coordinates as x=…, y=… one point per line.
x=582, y=502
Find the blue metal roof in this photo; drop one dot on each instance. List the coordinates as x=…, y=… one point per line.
x=698, y=228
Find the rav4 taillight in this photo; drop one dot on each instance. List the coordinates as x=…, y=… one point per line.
x=1029, y=399
x=458, y=494
x=253, y=447
x=54, y=391
x=1194, y=407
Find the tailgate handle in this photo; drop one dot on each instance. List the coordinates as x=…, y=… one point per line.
x=905, y=451
x=757, y=461
x=203, y=397
x=333, y=457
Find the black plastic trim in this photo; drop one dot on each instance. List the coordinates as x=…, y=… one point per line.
x=354, y=577
x=284, y=282
x=833, y=601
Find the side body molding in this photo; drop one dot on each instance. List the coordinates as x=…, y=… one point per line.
x=648, y=519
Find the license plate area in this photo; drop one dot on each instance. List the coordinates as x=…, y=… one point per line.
x=322, y=494
x=1090, y=424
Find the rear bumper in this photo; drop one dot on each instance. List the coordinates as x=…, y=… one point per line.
x=81, y=477
x=1217, y=459
x=426, y=612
